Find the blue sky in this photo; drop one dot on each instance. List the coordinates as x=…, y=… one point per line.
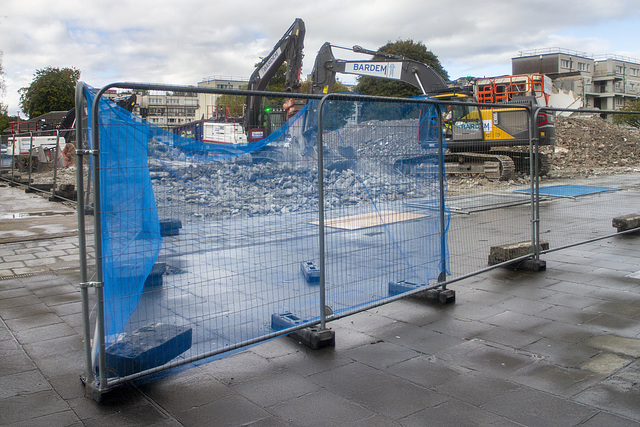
x=184, y=42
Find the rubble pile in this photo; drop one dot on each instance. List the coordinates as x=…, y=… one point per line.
x=584, y=147
x=587, y=146
x=237, y=187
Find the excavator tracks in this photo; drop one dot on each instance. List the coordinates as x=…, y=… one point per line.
x=521, y=161
x=492, y=166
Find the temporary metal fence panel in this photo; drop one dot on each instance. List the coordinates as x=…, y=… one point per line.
x=595, y=178
x=385, y=221
x=42, y=161
x=204, y=248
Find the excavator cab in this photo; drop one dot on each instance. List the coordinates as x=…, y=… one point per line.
x=460, y=122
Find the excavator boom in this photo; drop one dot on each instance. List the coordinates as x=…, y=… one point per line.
x=289, y=48
x=396, y=67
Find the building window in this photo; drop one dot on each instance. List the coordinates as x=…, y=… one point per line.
x=619, y=102
x=633, y=71
x=583, y=66
x=564, y=63
x=619, y=69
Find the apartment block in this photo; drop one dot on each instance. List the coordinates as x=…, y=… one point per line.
x=167, y=110
x=605, y=82
x=207, y=102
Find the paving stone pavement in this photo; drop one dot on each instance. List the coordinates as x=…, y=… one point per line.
x=558, y=347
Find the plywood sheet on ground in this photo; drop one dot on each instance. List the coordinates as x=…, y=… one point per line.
x=373, y=219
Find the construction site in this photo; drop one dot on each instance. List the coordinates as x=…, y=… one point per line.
x=467, y=256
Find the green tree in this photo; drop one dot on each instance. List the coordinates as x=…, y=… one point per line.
x=415, y=51
x=4, y=118
x=629, y=119
x=52, y=89
x=234, y=104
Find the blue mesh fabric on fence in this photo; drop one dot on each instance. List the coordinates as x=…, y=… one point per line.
x=130, y=227
x=231, y=231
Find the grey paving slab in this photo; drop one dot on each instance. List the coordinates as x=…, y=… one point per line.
x=30, y=406
x=514, y=350
x=183, y=390
x=44, y=333
x=537, y=408
x=618, y=394
x=425, y=371
x=331, y=408
x=230, y=410
x=608, y=419
x=556, y=379
x=563, y=353
x=64, y=418
x=456, y=413
x=275, y=387
x=416, y=338
x=475, y=388
x=381, y=354
x=514, y=338
x=22, y=382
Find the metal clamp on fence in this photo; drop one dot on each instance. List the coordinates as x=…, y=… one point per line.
x=85, y=285
x=86, y=151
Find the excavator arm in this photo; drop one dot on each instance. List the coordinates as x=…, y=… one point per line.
x=394, y=67
x=289, y=48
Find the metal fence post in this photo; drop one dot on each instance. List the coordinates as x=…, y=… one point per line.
x=538, y=247
x=13, y=157
x=442, y=277
x=29, y=159
x=55, y=165
x=97, y=217
x=532, y=180
x=82, y=239
x=321, y=215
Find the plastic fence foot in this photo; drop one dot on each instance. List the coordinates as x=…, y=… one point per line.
x=315, y=338
x=152, y=345
x=154, y=279
x=170, y=227
x=440, y=296
x=284, y=321
x=402, y=286
x=312, y=337
x=310, y=271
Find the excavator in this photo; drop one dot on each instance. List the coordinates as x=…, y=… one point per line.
x=473, y=134
x=258, y=120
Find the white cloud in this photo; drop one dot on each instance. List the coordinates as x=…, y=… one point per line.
x=184, y=42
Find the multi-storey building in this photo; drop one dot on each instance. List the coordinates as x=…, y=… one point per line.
x=605, y=82
x=207, y=102
x=167, y=110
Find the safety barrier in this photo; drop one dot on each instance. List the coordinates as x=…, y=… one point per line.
x=41, y=161
x=203, y=249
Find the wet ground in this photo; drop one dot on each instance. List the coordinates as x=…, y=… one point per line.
x=557, y=347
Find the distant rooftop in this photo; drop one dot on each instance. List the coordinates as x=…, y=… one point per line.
x=555, y=50
x=230, y=78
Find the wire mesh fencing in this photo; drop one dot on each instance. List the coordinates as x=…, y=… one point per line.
x=207, y=247
x=42, y=161
x=204, y=247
